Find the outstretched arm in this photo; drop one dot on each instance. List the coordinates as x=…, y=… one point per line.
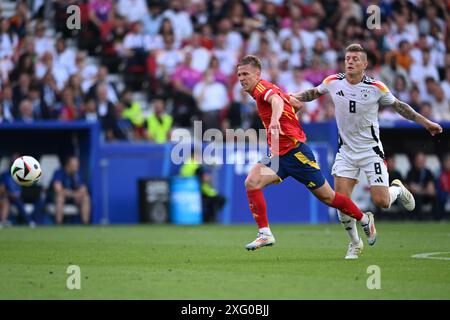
x=307, y=95
x=407, y=112
x=296, y=104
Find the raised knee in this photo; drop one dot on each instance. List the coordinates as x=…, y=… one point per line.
x=252, y=183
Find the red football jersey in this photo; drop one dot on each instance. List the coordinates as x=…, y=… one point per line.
x=289, y=123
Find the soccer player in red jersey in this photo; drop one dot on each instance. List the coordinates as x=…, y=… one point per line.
x=290, y=156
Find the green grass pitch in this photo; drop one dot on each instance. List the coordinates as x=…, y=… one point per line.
x=209, y=262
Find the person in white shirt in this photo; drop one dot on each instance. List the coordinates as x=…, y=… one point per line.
x=211, y=96
x=180, y=19
x=357, y=98
x=423, y=69
x=132, y=10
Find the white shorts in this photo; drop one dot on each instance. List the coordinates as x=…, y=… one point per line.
x=371, y=164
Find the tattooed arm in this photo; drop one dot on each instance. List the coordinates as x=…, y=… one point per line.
x=296, y=104
x=307, y=95
x=407, y=112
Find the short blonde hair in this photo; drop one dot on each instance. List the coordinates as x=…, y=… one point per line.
x=356, y=47
x=251, y=60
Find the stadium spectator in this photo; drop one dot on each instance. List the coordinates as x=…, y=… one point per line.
x=74, y=83
x=50, y=94
x=293, y=58
x=212, y=98
x=87, y=72
x=47, y=64
x=423, y=69
x=9, y=110
x=298, y=83
x=69, y=111
x=2, y=119
x=226, y=57
x=40, y=109
x=159, y=123
x=116, y=127
x=153, y=19
x=105, y=108
x=440, y=104
x=317, y=71
x=136, y=45
x=20, y=19
x=26, y=112
x=415, y=100
x=446, y=83
x=402, y=30
x=242, y=112
x=8, y=40
x=426, y=110
x=65, y=57
x=102, y=79
x=11, y=195
x=167, y=58
x=68, y=187
x=101, y=16
x=42, y=42
x=132, y=111
x=200, y=55
x=25, y=65
x=132, y=10
x=112, y=46
x=392, y=70
x=180, y=19
x=21, y=89
x=212, y=201
x=444, y=186
x=90, y=110
x=400, y=88
x=184, y=79
x=219, y=76
x=420, y=181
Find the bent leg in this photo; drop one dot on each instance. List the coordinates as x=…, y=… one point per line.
x=336, y=200
x=381, y=196
x=259, y=177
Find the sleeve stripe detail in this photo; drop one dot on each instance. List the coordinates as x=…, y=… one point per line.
x=381, y=86
x=267, y=94
x=260, y=87
x=330, y=78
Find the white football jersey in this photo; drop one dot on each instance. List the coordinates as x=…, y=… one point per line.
x=356, y=109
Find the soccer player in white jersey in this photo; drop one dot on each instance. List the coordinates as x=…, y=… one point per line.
x=356, y=98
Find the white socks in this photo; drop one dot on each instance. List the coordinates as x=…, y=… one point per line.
x=364, y=219
x=394, y=192
x=350, y=226
x=265, y=230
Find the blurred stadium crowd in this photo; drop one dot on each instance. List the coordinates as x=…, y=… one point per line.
x=142, y=68
x=182, y=54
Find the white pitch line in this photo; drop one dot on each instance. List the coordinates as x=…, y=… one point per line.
x=429, y=255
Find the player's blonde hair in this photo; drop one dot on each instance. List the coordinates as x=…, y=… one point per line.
x=356, y=47
x=251, y=60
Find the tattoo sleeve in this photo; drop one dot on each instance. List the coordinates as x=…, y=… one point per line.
x=405, y=110
x=308, y=95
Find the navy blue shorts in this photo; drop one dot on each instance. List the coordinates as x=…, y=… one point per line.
x=300, y=164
